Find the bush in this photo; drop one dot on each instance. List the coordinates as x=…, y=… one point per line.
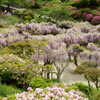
x=18, y=12
x=86, y=10
x=40, y=82
x=96, y=20
x=6, y=90
x=84, y=65
x=84, y=15
x=96, y=95
x=83, y=88
x=96, y=13
x=29, y=18
x=25, y=21
x=28, y=12
x=14, y=70
x=77, y=14
x=89, y=17
x=66, y=24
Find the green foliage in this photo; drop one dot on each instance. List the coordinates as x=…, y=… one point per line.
x=6, y=90
x=18, y=12
x=40, y=82
x=59, y=13
x=95, y=95
x=71, y=87
x=83, y=88
x=28, y=12
x=92, y=74
x=86, y=3
x=26, y=21
x=86, y=10
x=78, y=48
x=29, y=18
x=84, y=65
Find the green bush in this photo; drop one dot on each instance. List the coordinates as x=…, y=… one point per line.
x=29, y=18
x=28, y=12
x=83, y=88
x=95, y=95
x=26, y=21
x=6, y=90
x=84, y=65
x=86, y=10
x=18, y=12
x=40, y=82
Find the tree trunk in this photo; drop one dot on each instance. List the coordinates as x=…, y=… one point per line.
x=58, y=77
x=89, y=83
x=69, y=56
x=96, y=84
x=48, y=75
x=8, y=7
x=75, y=60
x=0, y=8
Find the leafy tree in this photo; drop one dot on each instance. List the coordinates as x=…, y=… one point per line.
x=93, y=75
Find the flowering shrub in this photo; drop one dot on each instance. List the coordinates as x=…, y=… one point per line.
x=84, y=15
x=96, y=20
x=89, y=17
x=14, y=70
x=77, y=14
x=49, y=93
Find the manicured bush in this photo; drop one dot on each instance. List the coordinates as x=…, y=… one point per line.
x=96, y=20
x=89, y=17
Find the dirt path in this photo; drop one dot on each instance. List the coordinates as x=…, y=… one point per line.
x=67, y=76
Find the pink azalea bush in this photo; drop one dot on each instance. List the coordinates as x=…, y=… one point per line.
x=89, y=17
x=96, y=20
x=84, y=15
x=50, y=93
